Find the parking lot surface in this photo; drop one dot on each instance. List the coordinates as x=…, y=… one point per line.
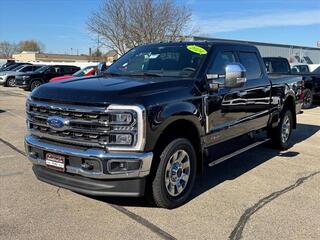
x=260, y=194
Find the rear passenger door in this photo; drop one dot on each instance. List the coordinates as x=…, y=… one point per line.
x=258, y=89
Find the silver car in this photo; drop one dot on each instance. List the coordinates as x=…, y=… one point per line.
x=7, y=78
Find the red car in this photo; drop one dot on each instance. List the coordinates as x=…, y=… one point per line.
x=87, y=71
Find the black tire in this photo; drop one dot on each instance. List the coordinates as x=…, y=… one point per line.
x=159, y=193
x=34, y=84
x=307, y=98
x=281, y=134
x=10, y=82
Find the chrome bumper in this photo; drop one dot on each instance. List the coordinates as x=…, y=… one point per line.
x=101, y=155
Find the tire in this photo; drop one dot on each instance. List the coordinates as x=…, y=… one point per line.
x=173, y=180
x=10, y=82
x=281, y=134
x=34, y=84
x=307, y=98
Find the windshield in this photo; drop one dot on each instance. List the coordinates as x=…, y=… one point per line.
x=160, y=60
x=317, y=70
x=42, y=69
x=83, y=72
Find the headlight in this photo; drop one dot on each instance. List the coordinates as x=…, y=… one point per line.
x=127, y=128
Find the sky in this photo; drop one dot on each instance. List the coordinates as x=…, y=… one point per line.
x=61, y=24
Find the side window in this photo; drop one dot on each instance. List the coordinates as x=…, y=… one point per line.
x=58, y=69
x=221, y=61
x=67, y=70
x=251, y=62
x=27, y=69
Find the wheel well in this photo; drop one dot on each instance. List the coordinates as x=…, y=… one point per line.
x=181, y=128
x=290, y=104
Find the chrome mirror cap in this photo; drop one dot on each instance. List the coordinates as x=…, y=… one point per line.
x=235, y=75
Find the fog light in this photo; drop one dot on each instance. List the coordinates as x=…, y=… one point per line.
x=123, y=165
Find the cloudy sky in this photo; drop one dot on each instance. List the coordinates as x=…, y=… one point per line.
x=61, y=24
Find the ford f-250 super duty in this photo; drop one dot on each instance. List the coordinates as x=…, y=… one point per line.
x=146, y=126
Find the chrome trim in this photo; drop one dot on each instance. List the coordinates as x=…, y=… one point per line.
x=141, y=121
x=138, y=109
x=91, y=153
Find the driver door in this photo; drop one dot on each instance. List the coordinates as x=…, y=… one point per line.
x=225, y=107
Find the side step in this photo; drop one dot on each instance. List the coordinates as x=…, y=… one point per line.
x=242, y=150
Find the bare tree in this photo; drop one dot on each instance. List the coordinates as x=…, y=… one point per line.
x=7, y=49
x=123, y=24
x=30, y=45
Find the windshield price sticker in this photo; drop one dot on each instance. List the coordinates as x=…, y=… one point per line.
x=197, y=49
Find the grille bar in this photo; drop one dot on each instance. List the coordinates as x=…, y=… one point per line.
x=86, y=126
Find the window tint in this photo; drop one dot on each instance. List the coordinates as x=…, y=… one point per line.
x=303, y=68
x=26, y=69
x=277, y=66
x=221, y=61
x=250, y=61
x=67, y=70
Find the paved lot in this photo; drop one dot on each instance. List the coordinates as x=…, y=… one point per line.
x=261, y=194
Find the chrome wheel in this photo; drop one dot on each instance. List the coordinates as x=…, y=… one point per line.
x=177, y=173
x=285, y=129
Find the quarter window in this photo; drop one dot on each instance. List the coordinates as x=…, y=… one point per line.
x=250, y=61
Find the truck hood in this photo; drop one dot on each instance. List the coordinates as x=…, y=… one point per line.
x=108, y=90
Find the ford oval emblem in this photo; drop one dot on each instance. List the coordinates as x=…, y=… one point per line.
x=57, y=123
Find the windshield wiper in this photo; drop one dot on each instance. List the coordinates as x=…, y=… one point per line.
x=146, y=74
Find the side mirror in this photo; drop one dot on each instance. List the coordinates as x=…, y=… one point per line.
x=101, y=68
x=235, y=75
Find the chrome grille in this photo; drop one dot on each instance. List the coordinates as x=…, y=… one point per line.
x=87, y=126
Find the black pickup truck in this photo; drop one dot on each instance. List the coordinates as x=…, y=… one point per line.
x=279, y=65
x=147, y=126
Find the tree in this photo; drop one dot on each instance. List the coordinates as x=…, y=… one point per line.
x=7, y=49
x=123, y=24
x=30, y=45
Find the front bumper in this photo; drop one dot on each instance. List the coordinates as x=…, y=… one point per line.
x=97, y=181
x=2, y=80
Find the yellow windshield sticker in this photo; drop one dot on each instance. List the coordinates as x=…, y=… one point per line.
x=197, y=49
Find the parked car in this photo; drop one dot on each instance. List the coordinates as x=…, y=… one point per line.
x=30, y=81
x=278, y=65
x=13, y=66
x=148, y=125
x=87, y=71
x=7, y=78
x=300, y=68
x=7, y=64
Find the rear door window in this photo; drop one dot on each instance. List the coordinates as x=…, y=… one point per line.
x=26, y=69
x=251, y=62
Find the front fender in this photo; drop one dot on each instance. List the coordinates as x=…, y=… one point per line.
x=160, y=117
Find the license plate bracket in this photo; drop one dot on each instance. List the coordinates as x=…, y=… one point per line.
x=55, y=161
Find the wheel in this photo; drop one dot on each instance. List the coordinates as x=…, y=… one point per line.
x=34, y=84
x=175, y=175
x=11, y=82
x=307, y=98
x=281, y=134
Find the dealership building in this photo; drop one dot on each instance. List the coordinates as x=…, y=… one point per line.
x=294, y=53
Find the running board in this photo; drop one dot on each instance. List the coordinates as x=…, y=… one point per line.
x=242, y=150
